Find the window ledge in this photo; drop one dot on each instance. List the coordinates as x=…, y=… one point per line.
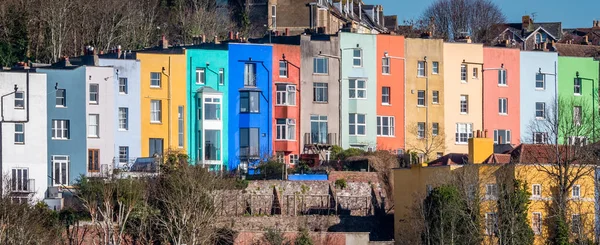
x=321, y=74
x=386, y=74
x=60, y=106
x=122, y=130
x=386, y=104
x=540, y=118
x=540, y=89
x=19, y=143
x=285, y=105
x=503, y=114
x=387, y=136
x=93, y=137
x=155, y=87
x=576, y=94
x=200, y=83
x=19, y=108
x=357, y=98
x=418, y=76
x=421, y=106
x=464, y=113
x=461, y=143
x=155, y=122
x=284, y=140
x=320, y=102
x=93, y=103
x=463, y=81
x=502, y=85
x=59, y=139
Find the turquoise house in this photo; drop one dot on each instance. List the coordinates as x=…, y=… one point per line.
x=359, y=90
x=207, y=90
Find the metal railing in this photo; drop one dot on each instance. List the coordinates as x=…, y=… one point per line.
x=320, y=139
x=25, y=186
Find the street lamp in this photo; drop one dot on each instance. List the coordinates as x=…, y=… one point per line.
x=386, y=55
x=168, y=100
x=593, y=100
x=483, y=90
x=2, y=121
x=299, y=101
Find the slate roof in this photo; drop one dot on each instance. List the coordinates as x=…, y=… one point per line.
x=577, y=50
x=553, y=28
x=502, y=148
x=450, y=159
x=498, y=159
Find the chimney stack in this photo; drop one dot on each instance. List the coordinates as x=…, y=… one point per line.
x=118, y=51
x=203, y=38
x=237, y=35
x=525, y=22
x=287, y=32
x=164, y=42
x=216, y=40
x=230, y=35
x=586, y=40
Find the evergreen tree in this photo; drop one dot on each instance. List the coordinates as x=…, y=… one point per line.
x=513, y=228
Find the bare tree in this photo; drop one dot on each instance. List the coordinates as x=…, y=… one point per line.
x=572, y=161
x=428, y=142
x=457, y=18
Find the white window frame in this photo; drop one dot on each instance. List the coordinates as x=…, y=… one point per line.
x=274, y=16
x=221, y=76
x=576, y=191
x=420, y=99
x=19, y=100
x=502, y=78
x=537, y=228
x=324, y=67
x=386, y=95
x=435, y=129
x=286, y=129
x=463, y=73
x=283, y=68
x=294, y=159
x=250, y=106
x=213, y=101
x=435, y=67
x=20, y=133
x=357, y=59
x=93, y=125
x=322, y=89
x=60, y=160
x=200, y=75
x=420, y=130
x=577, y=115
x=464, y=104
x=543, y=81
x=577, y=89
x=507, y=136
x=123, y=154
x=491, y=223
x=577, y=140
x=180, y=126
x=421, y=69
x=154, y=81
x=536, y=188
x=435, y=97
x=19, y=180
x=543, y=137
x=62, y=98
x=123, y=86
x=123, y=118
x=385, y=66
x=286, y=97
x=491, y=191
x=503, y=106
x=463, y=132
x=353, y=123
x=250, y=74
x=475, y=73
x=354, y=89
x=391, y=126
x=62, y=127
x=541, y=112
x=95, y=94
x=155, y=111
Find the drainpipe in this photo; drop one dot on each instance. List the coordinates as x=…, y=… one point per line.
x=340, y=98
x=192, y=101
x=426, y=105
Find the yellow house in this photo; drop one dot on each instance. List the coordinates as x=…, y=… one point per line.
x=425, y=134
x=483, y=169
x=463, y=64
x=163, y=99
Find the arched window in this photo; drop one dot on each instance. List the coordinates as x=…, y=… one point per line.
x=538, y=38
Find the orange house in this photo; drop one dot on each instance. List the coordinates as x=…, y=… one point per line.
x=286, y=95
x=501, y=111
x=390, y=92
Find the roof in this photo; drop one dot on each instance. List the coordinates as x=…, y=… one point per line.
x=450, y=159
x=208, y=90
x=552, y=28
x=577, y=50
x=502, y=148
x=498, y=159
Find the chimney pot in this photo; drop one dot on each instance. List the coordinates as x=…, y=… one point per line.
x=203, y=38
x=237, y=35
x=287, y=31
x=478, y=133
x=525, y=22
x=230, y=35
x=216, y=40
x=164, y=42
x=485, y=133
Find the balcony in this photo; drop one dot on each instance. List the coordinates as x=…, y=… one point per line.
x=26, y=186
x=104, y=171
x=320, y=139
x=249, y=152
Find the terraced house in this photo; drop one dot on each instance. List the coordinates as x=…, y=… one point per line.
x=359, y=91
x=162, y=100
x=208, y=107
x=501, y=80
x=463, y=93
x=320, y=109
x=251, y=104
x=424, y=92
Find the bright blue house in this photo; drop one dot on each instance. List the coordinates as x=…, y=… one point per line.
x=250, y=103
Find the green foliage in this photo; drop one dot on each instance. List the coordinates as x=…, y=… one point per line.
x=304, y=189
x=271, y=169
x=174, y=160
x=561, y=232
x=513, y=204
x=13, y=47
x=274, y=237
x=301, y=168
x=341, y=183
x=448, y=219
x=241, y=184
x=303, y=238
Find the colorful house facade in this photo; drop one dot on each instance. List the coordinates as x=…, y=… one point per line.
x=391, y=79
x=251, y=104
x=425, y=129
x=358, y=90
x=208, y=106
x=501, y=110
x=463, y=90
x=162, y=100
x=287, y=93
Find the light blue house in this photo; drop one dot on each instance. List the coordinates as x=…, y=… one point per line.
x=208, y=105
x=538, y=95
x=359, y=90
x=126, y=111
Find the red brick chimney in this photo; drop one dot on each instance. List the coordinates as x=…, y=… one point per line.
x=525, y=21
x=287, y=32
x=164, y=42
x=118, y=51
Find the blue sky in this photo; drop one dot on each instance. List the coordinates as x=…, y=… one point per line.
x=572, y=13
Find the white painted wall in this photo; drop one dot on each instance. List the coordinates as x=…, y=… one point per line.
x=33, y=154
x=104, y=77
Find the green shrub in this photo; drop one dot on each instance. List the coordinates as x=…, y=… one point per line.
x=303, y=238
x=341, y=183
x=274, y=237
